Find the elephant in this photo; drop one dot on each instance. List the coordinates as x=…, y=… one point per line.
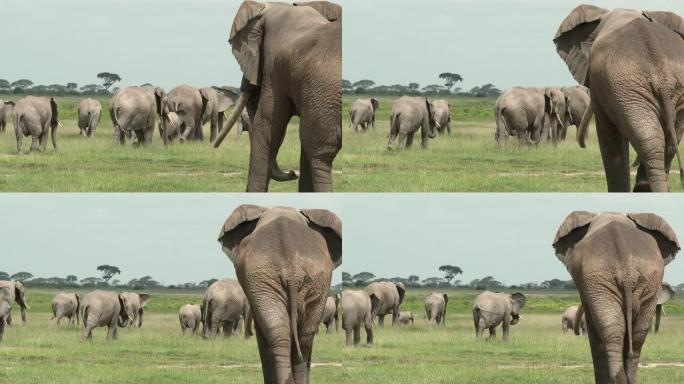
x=664, y=295
x=616, y=261
x=391, y=295
x=135, y=306
x=17, y=295
x=5, y=309
x=405, y=317
x=36, y=117
x=632, y=63
x=357, y=311
x=104, y=309
x=135, y=109
x=577, y=101
x=436, y=306
x=409, y=114
x=527, y=113
x=5, y=108
x=362, y=113
x=493, y=308
x=223, y=305
x=89, y=111
x=331, y=312
x=569, y=318
x=66, y=305
x=441, y=114
x=284, y=258
x=190, y=317
x=555, y=110
x=293, y=69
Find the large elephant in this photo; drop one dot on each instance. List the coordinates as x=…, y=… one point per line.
x=135, y=109
x=362, y=113
x=577, y=101
x=528, y=114
x=493, y=308
x=5, y=309
x=357, y=311
x=569, y=318
x=665, y=294
x=409, y=114
x=555, y=111
x=441, y=114
x=223, y=305
x=66, y=305
x=331, y=312
x=190, y=317
x=616, y=261
x=632, y=62
x=436, y=307
x=17, y=295
x=405, y=317
x=5, y=108
x=284, y=258
x=89, y=112
x=36, y=117
x=103, y=309
x=391, y=295
x=291, y=59
x=135, y=306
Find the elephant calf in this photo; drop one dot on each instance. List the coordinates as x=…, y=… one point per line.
x=66, y=305
x=135, y=307
x=36, y=117
x=362, y=113
x=17, y=295
x=493, y=308
x=570, y=317
x=5, y=108
x=331, y=312
x=103, y=309
x=89, y=112
x=223, y=305
x=409, y=114
x=391, y=295
x=190, y=316
x=435, y=307
x=357, y=311
x=5, y=309
x=441, y=114
x=405, y=317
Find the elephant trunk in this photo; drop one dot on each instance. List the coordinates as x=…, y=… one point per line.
x=239, y=106
x=279, y=175
x=659, y=312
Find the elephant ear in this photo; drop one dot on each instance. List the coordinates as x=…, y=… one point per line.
x=570, y=232
x=55, y=113
x=402, y=290
x=574, y=39
x=375, y=103
x=238, y=225
x=144, y=299
x=227, y=96
x=330, y=11
x=375, y=304
x=661, y=231
x=667, y=19
x=665, y=294
x=519, y=300
x=158, y=98
x=20, y=294
x=246, y=36
x=330, y=226
x=446, y=301
x=430, y=111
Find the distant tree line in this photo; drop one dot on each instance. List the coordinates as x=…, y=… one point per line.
x=26, y=86
x=367, y=86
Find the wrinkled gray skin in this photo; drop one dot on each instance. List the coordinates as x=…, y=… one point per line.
x=390, y=295
x=89, y=111
x=568, y=320
x=577, y=101
x=435, y=307
x=357, y=312
x=665, y=294
x=36, y=117
x=135, y=306
x=5, y=309
x=6, y=108
x=66, y=305
x=103, y=309
x=405, y=317
x=362, y=113
x=409, y=114
x=135, y=110
x=17, y=295
x=441, y=114
x=293, y=69
x=190, y=317
x=331, y=313
x=616, y=261
x=526, y=113
x=632, y=61
x=284, y=258
x=493, y=308
x=223, y=305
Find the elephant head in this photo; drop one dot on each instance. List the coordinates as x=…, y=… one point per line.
x=402, y=290
x=375, y=305
x=337, y=298
x=132, y=307
x=374, y=103
x=446, y=301
x=123, y=317
x=434, y=126
x=517, y=303
x=554, y=110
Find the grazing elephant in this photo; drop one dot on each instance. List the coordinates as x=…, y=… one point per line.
x=89, y=111
x=391, y=295
x=103, y=309
x=441, y=114
x=569, y=318
x=362, y=113
x=409, y=114
x=436, y=306
x=135, y=306
x=190, y=317
x=284, y=258
x=616, y=261
x=493, y=308
x=5, y=309
x=17, y=295
x=291, y=59
x=66, y=305
x=357, y=311
x=331, y=312
x=405, y=317
x=36, y=117
x=577, y=101
x=223, y=305
x=665, y=294
x=525, y=113
x=632, y=62
x=5, y=108
x=135, y=109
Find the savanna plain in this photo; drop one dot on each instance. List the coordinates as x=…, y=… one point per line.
x=538, y=352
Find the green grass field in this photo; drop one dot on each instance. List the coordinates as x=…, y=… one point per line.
x=157, y=353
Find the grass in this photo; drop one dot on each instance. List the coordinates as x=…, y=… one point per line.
x=537, y=353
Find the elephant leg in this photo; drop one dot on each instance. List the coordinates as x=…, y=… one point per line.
x=381, y=320
x=227, y=329
x=214, y=125
x=424, y=137
x=392, y=137
x=35, y=143
x=301, y=369
x=369, y=332
x=260, y=141
x=357, y=334
x=349, y=341
x=479, y=327
x=614, y=152
x=198, y=131
x=44, y=137
x=609, y=327
x=647, y=136
x=320, y=141
x=328, y=327
x=448, y=127
x=402, y=140
x=87, y=332
x=492, y=332
x=140, y=318
x=522, y=137
x=409, y=140
x=565, y=326
x=19, y=136
x=112, y=332
x=597, y=352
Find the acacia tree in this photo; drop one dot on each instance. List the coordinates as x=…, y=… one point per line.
x=108, y=79
x=4, y=85
x=346, y=277
x=21, y=276
x=108, y=271
x=346, y=85
x=450, y=79
x=450, y=271
x=71, y=279
x=4, y=275
x=363, y=277
x=22, y=84
x=363, y=84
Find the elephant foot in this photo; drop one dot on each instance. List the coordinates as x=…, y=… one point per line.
x=279, y=175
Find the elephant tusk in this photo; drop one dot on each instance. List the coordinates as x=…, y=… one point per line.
x=663, y=310
x=59, y=124
x=438, y=126
x=239, y=106
x=559, y=121
x=521, y=317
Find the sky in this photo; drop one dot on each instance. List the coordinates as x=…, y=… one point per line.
x=173, y=237
x=171, y=42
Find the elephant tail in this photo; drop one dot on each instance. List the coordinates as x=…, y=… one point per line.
x=394, y=124
x=628, y=323
x=501, y=125
x=85, y=315
x=54, y=311
x=670, y=121
x=583, y=129
x=292, y=299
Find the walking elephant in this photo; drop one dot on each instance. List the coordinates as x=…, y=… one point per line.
x=89, y=111
x=223, y=305
x=632, y=62
x=17, y=295
x=405, y=317
x=103, y=309
x=435, y=307
x=555, y=111
x=6, y=107
x=36, y=117
x=616, y=261
x=135, y=110
x=331, y=312
x=362, y=113
x=569, y=318
x=665, y=294
x=357, y=311
x=5, y=309
x=190, y=317
x=409, y=114
x=391, y=295
x=291, y=60
x=491, y=309
x=577, y=101
x=527, y=113
x=135, y=306
x=441, y=114
x=66, y=305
